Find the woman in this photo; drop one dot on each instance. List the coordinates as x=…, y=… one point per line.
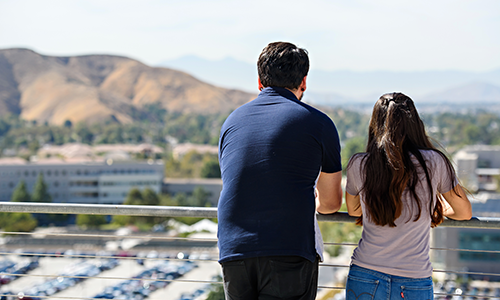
x=397, y=189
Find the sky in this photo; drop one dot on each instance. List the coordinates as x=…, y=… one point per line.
x=356, y=35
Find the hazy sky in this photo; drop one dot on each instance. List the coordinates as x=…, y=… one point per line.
x=356, y=35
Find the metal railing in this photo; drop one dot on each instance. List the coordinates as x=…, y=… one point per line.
x=199, y=212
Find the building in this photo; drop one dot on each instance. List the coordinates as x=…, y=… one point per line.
x=74, y=150
x=178, y=151
x=213, y=186
x=80, y=180
x=483, y=205
x=478, y=167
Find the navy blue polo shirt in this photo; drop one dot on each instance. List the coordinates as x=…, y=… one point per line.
x=271, y=151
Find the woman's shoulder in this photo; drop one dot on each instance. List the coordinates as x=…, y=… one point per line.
x=356, y=159
x=434, y=159
x=432, y=154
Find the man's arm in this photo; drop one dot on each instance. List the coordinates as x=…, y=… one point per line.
x=328, y=192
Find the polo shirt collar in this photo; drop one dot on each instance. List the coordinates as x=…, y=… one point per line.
x=274, y=90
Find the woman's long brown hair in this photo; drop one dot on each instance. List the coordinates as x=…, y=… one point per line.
x=395, y=133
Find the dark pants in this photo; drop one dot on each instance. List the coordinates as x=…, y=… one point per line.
x=270, y=277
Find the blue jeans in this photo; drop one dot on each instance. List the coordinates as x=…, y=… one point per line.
x=366, y=284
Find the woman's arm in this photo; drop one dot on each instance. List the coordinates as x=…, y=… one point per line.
x=353, y=205
x=457, y=206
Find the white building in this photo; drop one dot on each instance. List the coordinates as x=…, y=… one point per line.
x=477, y=240
x=477, y=167
x=82, y=180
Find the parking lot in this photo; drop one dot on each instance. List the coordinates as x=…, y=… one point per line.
x=151, y=276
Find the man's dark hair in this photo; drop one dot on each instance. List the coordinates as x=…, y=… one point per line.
x=283, y=65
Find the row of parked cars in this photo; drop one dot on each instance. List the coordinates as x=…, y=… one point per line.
x=464, y=291
x=76, y=273
x=9, y=269
x=148, y=281
x=138, y=288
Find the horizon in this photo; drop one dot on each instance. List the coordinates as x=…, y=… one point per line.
x=159, y=63
x=346, y=86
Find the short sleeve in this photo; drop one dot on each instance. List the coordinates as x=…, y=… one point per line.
x=331, y=162
x=445, y=181
x=354, y=176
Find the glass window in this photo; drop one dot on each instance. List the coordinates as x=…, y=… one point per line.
x=479, y=241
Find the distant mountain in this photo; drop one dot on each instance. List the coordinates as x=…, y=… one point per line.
x=477, y=92
x=101, y=87
x=227, y=72
x=336, y=87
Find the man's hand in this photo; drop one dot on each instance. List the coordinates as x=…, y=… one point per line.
x=329, y=192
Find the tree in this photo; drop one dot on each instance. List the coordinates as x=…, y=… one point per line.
x=210, y=169
x=351, y=147
x=41, y=194
x=84, y=134
x=17, y=222
x=40, y=191
x=90, y=221
x=216, y=291
x=339, y=233
x=181, y=199
x=149, y=197
x=134, y=197
x=199, y=197
x=20, y=193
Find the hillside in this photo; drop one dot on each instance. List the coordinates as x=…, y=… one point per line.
x=101, y=87
x=468, y=93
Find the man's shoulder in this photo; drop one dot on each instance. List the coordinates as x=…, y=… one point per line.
x=274, y=103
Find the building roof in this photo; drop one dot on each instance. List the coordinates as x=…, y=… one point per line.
x=486, y=205
x=12, y=161
x=73, y=150
x=473, y=148
x=182, y=149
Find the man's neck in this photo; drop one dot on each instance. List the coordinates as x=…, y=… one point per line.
x=297, y=92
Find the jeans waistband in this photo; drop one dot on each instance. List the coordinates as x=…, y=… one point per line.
x=385, y=276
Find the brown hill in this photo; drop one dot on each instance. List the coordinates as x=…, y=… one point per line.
x=101, y=87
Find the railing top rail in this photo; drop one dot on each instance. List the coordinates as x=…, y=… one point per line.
x=185, y=211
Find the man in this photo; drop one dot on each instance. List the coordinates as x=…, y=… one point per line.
x=271, y=152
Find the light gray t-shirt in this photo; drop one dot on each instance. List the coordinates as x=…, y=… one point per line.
x=402, y=250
